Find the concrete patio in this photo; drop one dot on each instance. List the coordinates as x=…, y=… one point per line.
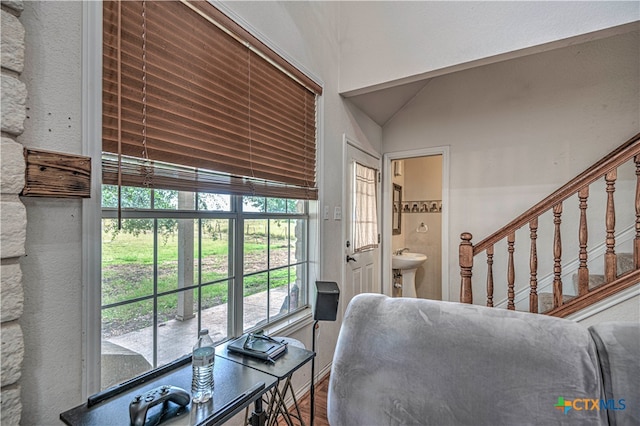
x=131, y=354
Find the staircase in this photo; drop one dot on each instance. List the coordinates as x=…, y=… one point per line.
x=619, y=271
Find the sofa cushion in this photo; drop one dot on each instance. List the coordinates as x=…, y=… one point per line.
x=618, y=345
x=401, y=361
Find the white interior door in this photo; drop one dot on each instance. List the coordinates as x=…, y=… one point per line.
x=362, y=265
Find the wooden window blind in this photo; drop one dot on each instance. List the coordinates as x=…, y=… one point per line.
x=191, y=101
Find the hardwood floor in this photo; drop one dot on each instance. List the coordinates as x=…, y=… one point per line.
x=321, y=389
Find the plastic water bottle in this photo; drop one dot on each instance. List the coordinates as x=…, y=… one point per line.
x=202, y=368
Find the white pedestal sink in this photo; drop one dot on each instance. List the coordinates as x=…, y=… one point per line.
x=408, y=264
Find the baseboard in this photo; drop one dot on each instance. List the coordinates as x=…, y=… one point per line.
x=304, y=390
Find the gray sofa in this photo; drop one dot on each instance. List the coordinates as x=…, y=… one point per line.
x=401, y=361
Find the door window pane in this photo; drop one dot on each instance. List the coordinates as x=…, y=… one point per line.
x=365, y=217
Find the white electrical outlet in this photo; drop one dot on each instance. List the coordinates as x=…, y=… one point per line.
x=337, y=213
x=325, y=216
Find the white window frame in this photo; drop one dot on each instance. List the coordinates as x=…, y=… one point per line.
x=92, y=209
x=237, y=275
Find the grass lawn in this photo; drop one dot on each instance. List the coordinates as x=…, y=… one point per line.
x=128, y=273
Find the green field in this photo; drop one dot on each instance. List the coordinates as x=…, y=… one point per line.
x=128, y=273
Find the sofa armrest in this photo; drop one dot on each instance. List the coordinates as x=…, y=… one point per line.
x=618, y=345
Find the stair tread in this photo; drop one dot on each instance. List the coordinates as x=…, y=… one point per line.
x=594, y=281
x=624, y=265
x=545, y=301
x=625, y=262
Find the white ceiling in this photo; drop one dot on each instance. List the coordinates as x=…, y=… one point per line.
x=388, y=44
x=381, y=105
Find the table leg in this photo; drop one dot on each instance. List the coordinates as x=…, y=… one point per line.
x=277, y=405
x=288, y=385
x=259, y=416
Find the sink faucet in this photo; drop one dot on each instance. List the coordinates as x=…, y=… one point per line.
x=402, y=250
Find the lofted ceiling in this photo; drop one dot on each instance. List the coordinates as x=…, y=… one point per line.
x=382, y=104
x=383, y=101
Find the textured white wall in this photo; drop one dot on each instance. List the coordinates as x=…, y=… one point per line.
x=385, y=41
x=517, y=130
x=52, y=320
x=308, y=32
x=628, y=310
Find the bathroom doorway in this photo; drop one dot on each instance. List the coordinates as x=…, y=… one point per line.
x=422, y=224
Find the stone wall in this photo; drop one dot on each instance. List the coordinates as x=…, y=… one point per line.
x=13, y=214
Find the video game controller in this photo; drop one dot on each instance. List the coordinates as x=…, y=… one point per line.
x=141, y=403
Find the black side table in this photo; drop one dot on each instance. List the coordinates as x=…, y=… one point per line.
x=282, y=369
x=236, y=387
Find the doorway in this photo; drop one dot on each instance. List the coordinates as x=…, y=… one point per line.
x=362, y=238
x=422, y=176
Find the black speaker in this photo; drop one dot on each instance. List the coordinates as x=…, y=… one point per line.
x=327, y=294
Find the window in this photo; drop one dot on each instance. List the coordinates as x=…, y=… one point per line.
x=208, y=169
x=178, y=258
x=365, y=217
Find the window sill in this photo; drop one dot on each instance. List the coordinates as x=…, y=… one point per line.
x=291, y=324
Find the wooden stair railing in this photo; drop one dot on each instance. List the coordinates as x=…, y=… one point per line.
x=614, y=282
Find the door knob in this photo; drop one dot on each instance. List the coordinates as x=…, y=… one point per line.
x=349, y=258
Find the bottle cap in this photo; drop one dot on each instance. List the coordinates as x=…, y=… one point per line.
x=203, y=332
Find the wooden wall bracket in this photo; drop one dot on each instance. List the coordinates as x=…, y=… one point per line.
x=52, y=174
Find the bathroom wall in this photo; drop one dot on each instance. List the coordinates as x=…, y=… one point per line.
x=422, y=180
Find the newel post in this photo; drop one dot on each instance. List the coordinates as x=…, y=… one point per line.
x=466, y=263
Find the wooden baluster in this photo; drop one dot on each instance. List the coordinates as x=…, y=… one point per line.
x=557, y=256
x=511, y=276
x=610, y=267
x=583, y=270
x=465, y=259
x=490, y=276
x=636, y=245
x=533, y=267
